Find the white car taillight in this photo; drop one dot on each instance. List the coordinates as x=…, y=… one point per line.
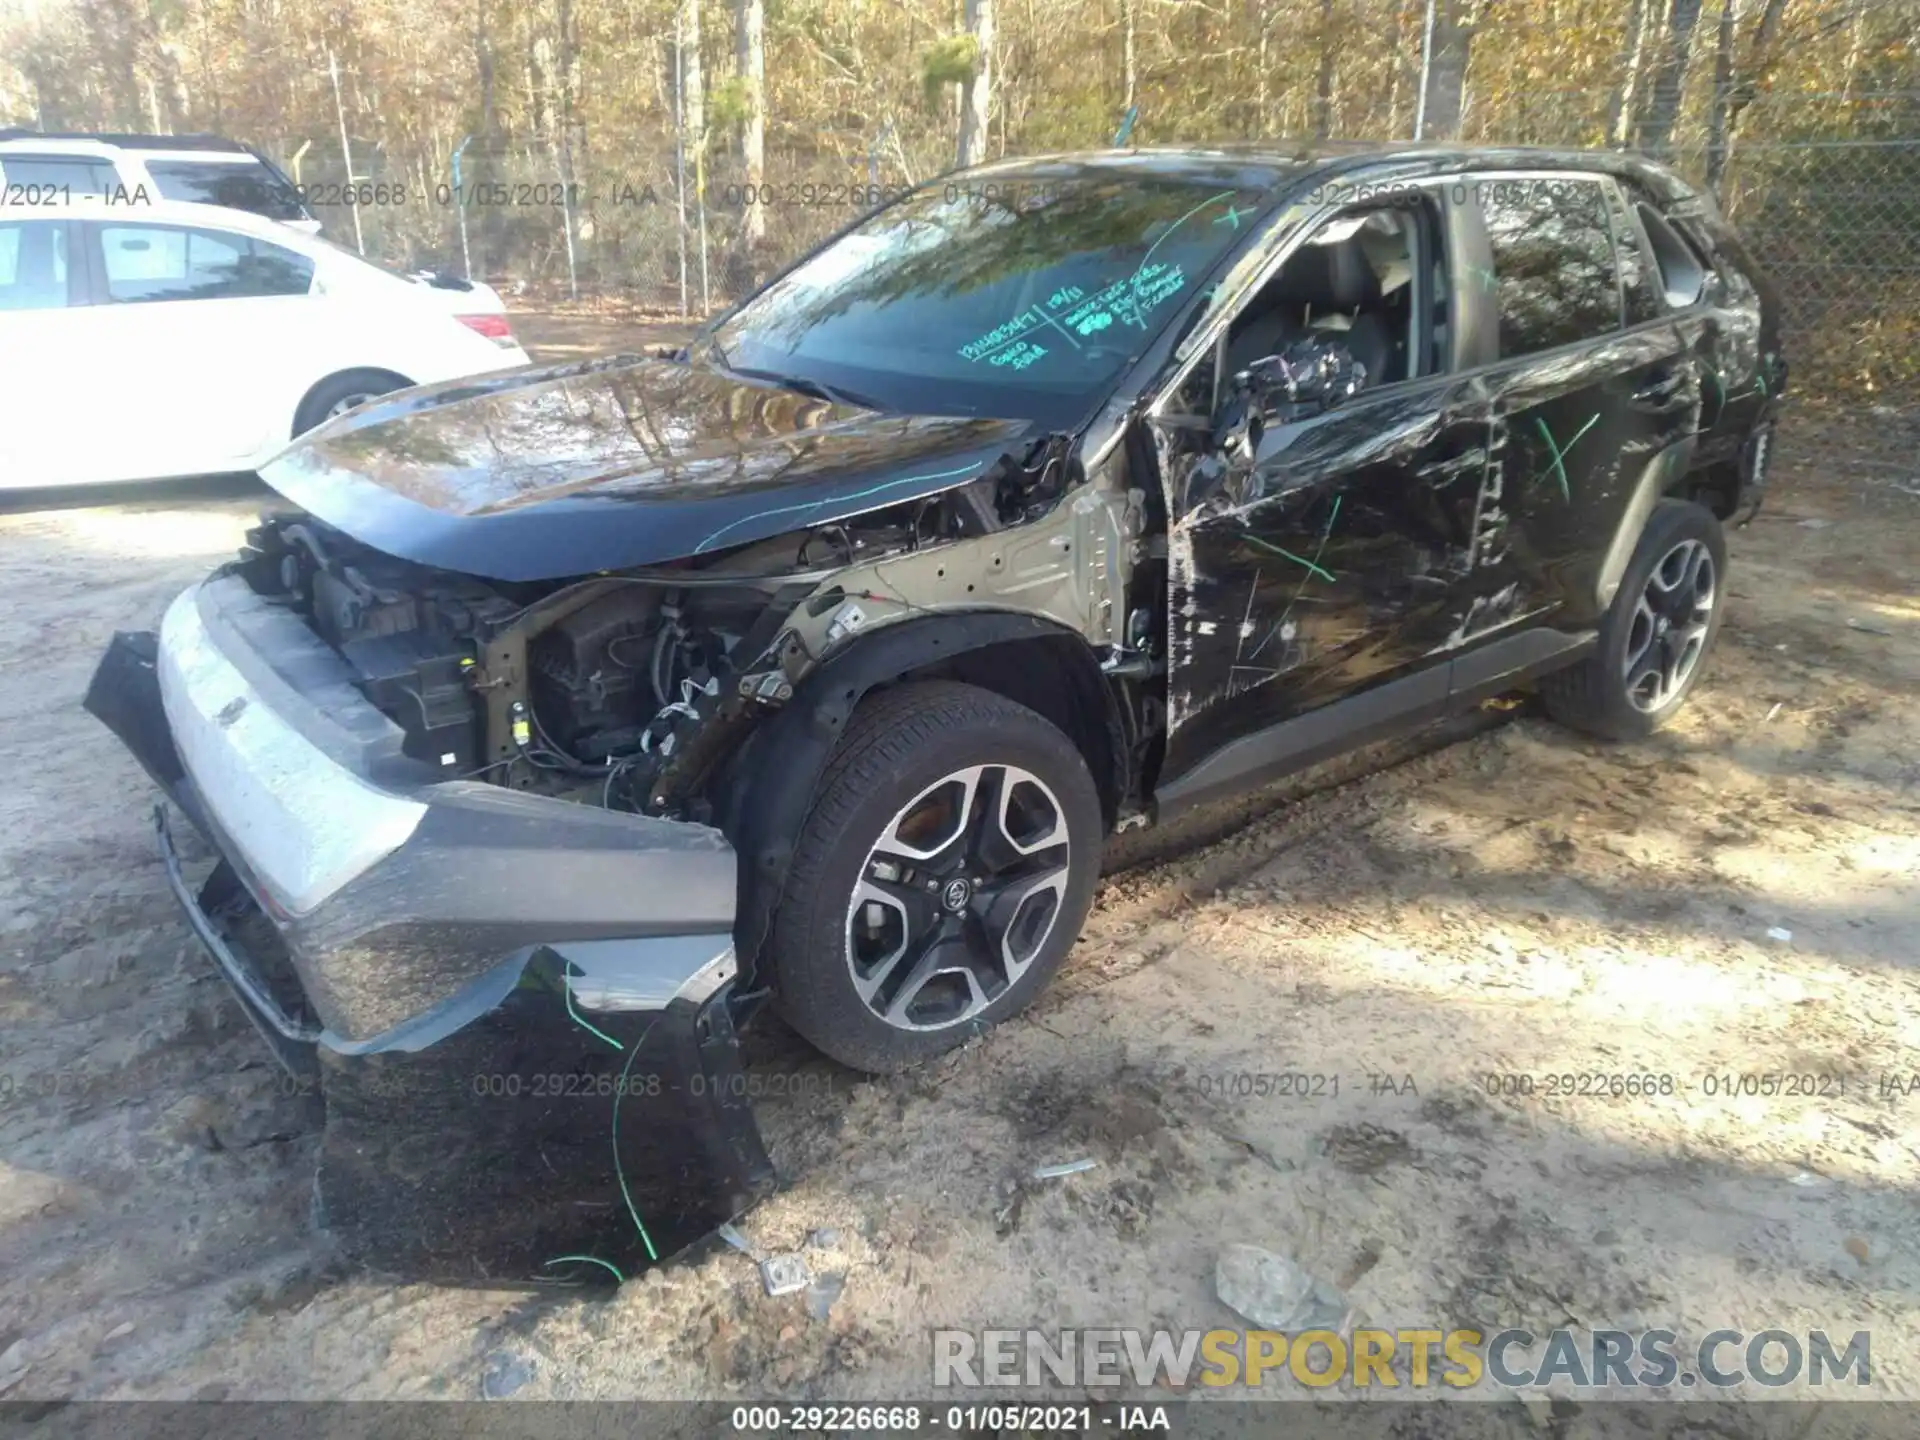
x=494, y=327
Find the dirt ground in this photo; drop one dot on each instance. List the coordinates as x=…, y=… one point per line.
x=1521, y=902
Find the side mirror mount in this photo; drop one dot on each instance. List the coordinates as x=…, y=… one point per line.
x=1306, y=379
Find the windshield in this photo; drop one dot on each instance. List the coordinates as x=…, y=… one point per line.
x=1018, y=299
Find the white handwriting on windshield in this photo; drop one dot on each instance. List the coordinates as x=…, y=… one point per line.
x=1078, y=317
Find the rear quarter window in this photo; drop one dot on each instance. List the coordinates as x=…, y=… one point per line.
x=246, y=185
x=1683, y=270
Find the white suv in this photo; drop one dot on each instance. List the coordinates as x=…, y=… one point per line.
x=202, y=169
x=139, y=341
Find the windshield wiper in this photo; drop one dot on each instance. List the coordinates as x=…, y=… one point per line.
x=832, y=394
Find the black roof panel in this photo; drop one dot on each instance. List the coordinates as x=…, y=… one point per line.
x=1286, y=161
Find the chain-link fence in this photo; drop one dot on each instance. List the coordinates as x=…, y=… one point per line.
x=1834, y=221
x=1836, y=224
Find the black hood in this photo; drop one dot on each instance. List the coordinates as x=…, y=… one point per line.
x=561, y=470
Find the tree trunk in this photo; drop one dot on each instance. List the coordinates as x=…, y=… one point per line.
x=694, y=95
x=487, y=158
x=1129, y=60
x=750, y=60
x=1717, y=136
x=1323, y=78
x=1454, y=22
x=573, y=138
x=1759, y=62
x=976, y=101
x=1854, y=28
x=694, y=101
x=1620, y=107
x=1669, y=78
x=1263, y=22
x=1396, y=66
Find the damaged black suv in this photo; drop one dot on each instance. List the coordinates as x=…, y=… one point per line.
x=567, y=715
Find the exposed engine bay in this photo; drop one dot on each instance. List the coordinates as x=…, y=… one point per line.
x=623, y=689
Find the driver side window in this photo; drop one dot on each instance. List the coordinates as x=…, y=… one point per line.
x=1357, y=298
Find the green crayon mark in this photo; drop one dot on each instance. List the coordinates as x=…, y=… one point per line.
x=566, y=983
x=1289, y=555
x=1559, y=455
x=619, y=1170
x=619, y=1093
x=586, y=1260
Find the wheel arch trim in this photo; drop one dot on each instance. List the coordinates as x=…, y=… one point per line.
x=1661, y=475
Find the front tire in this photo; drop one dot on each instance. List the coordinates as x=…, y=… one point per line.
x=1655, y=636
x=939, y=879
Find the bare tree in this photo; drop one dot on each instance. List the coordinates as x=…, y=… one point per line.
x=486, y=66
x=1323, y=79
x=750, y=63
x=1760, y=61
x=976, y=101
x=693, y=118
x=693, y=96
x=1454, y=25
x=1620, y=108
x=1669, y=78
x=1718, y=137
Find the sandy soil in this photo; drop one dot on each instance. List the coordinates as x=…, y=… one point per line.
x=1521, y=902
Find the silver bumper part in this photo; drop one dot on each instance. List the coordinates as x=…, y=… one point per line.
x=303, y=824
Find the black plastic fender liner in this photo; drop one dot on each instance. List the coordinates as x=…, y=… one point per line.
x=543, y=1140
x=771, y=786
x=124, y=695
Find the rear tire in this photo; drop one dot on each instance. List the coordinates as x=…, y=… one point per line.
x=338, y=393
x=939, y=879
x=1655, y=636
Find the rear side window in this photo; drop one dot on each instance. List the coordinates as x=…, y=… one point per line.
x=164, y=262
x=33, y=265
x=76, y=174
x=1553, y=261
x=248, y=186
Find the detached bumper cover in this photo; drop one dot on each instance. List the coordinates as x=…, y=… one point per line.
x=517, y=1006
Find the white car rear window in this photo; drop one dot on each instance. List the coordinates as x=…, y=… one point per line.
x=171, y=262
